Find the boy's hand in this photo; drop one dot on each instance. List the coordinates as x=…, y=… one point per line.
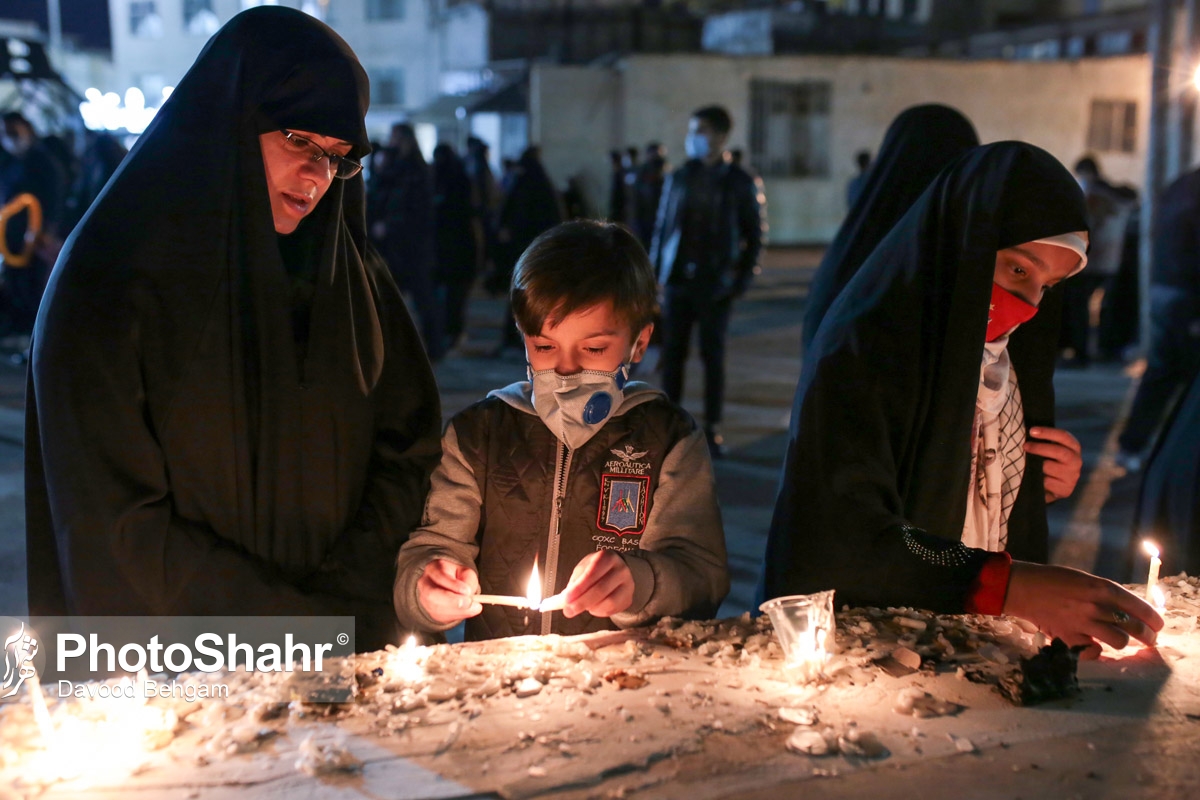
x=601, y=584
x=446, y=589
x=1079, y=608
x=1064, y=460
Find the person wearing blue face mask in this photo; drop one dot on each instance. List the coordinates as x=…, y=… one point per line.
x=602, y=482
x=707, y=238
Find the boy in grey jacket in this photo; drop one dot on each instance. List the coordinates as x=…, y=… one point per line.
x=602, y=482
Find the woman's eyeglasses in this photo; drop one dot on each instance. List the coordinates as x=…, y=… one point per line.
x=342, y=166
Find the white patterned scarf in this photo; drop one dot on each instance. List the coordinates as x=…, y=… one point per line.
x=997, y=451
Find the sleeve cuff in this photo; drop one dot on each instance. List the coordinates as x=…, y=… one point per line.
x=990, y=587
x=643, y=582
x=407, y=600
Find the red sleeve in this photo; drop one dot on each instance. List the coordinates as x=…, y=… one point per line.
x=987, y=592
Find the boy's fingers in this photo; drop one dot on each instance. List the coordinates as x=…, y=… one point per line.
x=614, y=603
x=448, y=583
x=590, y=569
x=467, y=578
x=605, y=585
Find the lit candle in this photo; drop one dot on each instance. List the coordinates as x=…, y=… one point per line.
x=41, y=714
x=1155, y=565
x=1158, y=598
x=555, y=602
x=532, y=598
x=405, y=663
x=533, y=592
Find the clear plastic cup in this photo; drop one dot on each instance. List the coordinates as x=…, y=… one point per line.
x=804, y=624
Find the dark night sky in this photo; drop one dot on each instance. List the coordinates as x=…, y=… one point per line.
x=84, y=20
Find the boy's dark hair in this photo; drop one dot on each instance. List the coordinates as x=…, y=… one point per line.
x=717, y=118
x=580, y=264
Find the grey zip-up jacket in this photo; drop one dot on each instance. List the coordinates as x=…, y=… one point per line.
x=508, y=493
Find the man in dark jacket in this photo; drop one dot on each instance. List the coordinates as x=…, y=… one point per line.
x=710, y=228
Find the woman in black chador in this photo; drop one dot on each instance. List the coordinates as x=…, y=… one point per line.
x=922, y=450
x=918, y=144
x=230, y=411
x=1169, y=505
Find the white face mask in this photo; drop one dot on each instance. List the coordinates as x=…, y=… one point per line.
x=696, y=145
x=575, y=406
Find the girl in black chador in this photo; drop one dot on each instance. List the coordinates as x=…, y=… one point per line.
x=230, y=411
x=918, y=144
x=922, y=450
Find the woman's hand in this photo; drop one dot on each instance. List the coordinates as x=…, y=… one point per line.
x=446, y=589
x=1064, y=460
x=601, y=584
x=1079, y=608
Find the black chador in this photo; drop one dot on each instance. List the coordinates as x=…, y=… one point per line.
x=222, y=420
x=1169, y=505
x=917, y=146
x=873, y=496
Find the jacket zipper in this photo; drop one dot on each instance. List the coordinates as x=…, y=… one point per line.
x=561, y=470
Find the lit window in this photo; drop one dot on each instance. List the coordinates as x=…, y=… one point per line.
x=385, y=9
x=144, y=20
x=387, y=87
x=1112, y=126
x=199, y=19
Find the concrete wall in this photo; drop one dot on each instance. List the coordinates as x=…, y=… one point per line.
x=1046, y=103
x=574, y=114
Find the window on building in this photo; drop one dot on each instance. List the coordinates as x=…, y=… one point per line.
x=144, y=20
x=385, y=9
x=1113, y=126
x=387, y=87
x=1114, y=43
x=789, y=128
x=199, y=18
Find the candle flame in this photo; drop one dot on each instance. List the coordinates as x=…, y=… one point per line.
x=534, y=593
x=1158, y=598
x=1151, y=548
x=103, y=740
x=405, y=663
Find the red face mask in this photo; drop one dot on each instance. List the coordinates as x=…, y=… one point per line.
x=1006, y=312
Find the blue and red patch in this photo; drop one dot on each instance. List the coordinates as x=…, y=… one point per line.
x=623, y=503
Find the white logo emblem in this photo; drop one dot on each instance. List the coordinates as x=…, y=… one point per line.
x=628, y=455
x=19, y=650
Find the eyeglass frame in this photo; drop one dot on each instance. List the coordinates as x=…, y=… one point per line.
x=334, y=158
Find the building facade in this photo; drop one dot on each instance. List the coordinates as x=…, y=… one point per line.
x=800, y=120
x=408, y=47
